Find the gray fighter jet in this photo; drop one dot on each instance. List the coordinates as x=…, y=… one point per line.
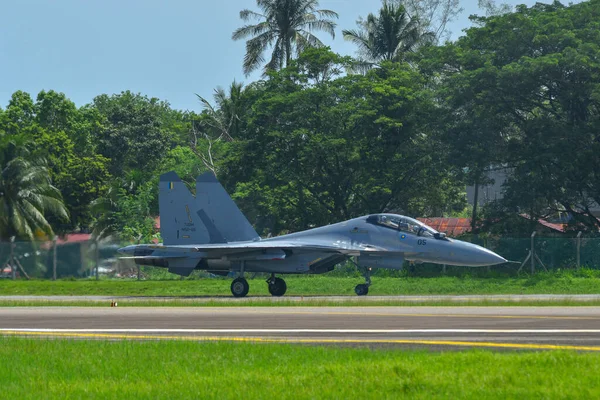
x=209, y=232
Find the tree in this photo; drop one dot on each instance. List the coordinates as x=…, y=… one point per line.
x=134, y=134
x=125, y=215
x=388, y=36
x=19, y=114
x=286, y=26
x=223, y=121
x=521, y=90
x=321, y=150
x=26, y=193
x=225, y=117
x=492, y=9
x=435, y=15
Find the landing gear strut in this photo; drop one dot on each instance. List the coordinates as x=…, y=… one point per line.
x=239, y=286
x=277, y=286
x=363, y=288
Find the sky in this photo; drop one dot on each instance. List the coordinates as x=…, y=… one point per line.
x=170, y=49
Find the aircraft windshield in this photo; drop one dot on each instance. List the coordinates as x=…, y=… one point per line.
x=401, y=223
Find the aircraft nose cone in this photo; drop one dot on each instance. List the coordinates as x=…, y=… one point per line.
x=487, y=257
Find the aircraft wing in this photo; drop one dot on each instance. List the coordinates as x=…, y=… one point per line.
x=339, y=247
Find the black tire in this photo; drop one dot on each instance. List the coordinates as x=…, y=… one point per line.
x=361, y=290
x=277, y=287
x=240, y=287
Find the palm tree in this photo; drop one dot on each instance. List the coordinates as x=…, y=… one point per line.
x=225, y=118
x=26, y=192
x=223, y=122
x=387, y=36
x=286, y=25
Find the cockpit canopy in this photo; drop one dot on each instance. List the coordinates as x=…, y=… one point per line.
x=404, y=224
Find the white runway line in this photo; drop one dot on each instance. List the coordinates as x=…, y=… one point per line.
x=355, y=331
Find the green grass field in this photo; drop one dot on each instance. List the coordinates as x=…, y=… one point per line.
x=47, y=369
x=562, y=282
x=305, y=302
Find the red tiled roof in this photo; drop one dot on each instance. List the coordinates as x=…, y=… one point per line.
x=549, y=225
x=449, y=226
x=74, y=238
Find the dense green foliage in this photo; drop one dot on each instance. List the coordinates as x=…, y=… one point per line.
x=60, y=369
x=314, y=143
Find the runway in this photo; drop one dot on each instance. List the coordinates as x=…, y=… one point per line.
x=576, y=328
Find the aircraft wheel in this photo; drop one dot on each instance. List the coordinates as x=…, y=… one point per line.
x=239, y=287
x=361, y=290
x=277, y=287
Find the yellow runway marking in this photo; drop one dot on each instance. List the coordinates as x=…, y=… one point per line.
x=306, y=341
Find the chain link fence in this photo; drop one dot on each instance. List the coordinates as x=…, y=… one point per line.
x=90, y=259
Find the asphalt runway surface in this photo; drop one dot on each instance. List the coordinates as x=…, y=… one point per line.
x=533, y=328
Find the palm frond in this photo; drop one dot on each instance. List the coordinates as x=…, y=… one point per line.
x=254, y=51
x=247, y=15
x=250, y=30
x=327, y=14
x=322, y=25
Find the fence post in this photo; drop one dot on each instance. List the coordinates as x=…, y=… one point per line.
x=138, y=265
x=579, y=249
x=96, y=257
x=13, y=267
x=533, y=253
x=54, y=258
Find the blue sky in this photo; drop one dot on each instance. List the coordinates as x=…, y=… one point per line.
x=166, y=49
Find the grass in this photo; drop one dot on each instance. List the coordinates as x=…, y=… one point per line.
x=561, y=282
x=48, y=369
x=306, y=302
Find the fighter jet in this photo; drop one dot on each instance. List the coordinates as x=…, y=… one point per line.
x=209, y=232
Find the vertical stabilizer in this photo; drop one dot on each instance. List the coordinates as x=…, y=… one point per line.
x=180, y=223
x=215, y=205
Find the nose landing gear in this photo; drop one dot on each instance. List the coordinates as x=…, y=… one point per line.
x=363, y=288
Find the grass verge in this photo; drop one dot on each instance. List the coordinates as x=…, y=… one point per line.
x=350, y=302
x=565, y=282
x=35, y=369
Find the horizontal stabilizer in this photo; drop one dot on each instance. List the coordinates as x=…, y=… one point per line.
x=183, y=267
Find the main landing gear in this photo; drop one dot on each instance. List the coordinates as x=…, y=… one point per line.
x=239, y=286
x=277, y=286
x=363, y=288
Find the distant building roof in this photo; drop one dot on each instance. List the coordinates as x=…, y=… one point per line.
x=449, y=226
x=555, y=227
x=74, y=238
